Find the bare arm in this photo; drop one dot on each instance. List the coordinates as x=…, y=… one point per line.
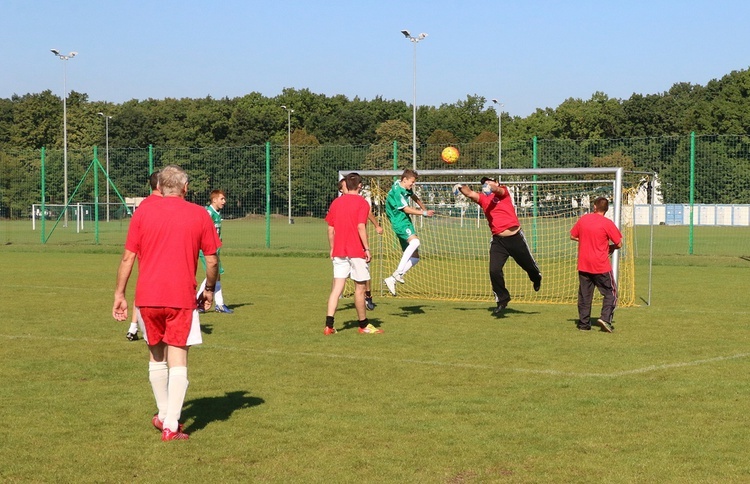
x=469, y=193
x=372, y=218
x=422, y=206
x=362, y=230
x=212, y=274
x=120, y=305
x=331, y=232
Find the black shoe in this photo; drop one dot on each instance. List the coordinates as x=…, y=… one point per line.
x=606, y=327
x=583, y=328
x=538, y=284
x=369, y=304
x=499, y=309
x=132, y=336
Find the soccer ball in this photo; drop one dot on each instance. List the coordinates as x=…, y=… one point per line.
x=450, y=155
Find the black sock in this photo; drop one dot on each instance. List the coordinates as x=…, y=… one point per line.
x=367, y=294
x=329, y=321
x=363, y=323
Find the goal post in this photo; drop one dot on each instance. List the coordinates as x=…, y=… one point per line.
x=454, y=248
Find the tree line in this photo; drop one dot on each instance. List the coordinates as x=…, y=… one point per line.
x=722, y=106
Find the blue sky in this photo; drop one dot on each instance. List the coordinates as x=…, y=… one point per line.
x=528, y=54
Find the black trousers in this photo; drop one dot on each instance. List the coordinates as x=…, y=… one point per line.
x=607, y=287
x=516, y=247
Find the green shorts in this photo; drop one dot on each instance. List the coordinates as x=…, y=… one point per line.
x=403, y=231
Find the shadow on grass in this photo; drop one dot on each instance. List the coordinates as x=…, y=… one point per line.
x=508, y=311
x=203, y=411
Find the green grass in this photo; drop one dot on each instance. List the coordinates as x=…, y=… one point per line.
x=447, y=394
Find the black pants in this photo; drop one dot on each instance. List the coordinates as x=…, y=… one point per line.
x=607, y=287
x=516, y=247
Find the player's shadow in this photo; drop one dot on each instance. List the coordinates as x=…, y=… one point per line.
x=203, y=411
x=207, y=328
x=509, y=311
x=355, y=325
x=407, y=311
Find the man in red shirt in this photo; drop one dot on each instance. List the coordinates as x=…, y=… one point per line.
x=153, y=180
x=350, y=251
x=594, y=232
x=507, y=237
x=165, y=237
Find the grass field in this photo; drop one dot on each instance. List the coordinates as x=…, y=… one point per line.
x=448, y=393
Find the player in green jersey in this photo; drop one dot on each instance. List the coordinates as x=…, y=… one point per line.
x=398, y=211
x=218, y=200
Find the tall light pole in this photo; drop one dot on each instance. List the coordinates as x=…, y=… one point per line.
x=414, y=40
x=499, y=133
x=289, y=112
x=106, y=130
x=64, y=57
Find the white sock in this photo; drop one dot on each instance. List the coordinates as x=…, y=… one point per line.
x=200, y=289
x=178, y=384
x=158, y=375
x=406, y=262
x=218, y=295
x=133, y=327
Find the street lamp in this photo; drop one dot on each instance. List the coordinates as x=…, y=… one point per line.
x=414, y=40
x=289, y=112
x=106, y=124
x=499, y=133
x=64, y=57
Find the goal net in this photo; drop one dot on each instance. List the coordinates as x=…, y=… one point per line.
x=455, y=242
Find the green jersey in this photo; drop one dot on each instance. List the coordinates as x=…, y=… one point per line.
x=395, y=202
x=216, y=217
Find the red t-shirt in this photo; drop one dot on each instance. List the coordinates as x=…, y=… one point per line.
x=344, y=214
x=594, y=231
x=166, y=235
x=500, y=212
x=148, y=200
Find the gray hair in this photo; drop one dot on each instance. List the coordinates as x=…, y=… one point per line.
x=172, y=180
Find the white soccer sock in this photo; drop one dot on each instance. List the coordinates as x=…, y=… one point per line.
x=200, y=289
x=178, y=384
x=158, y=375
x=407, y=261
x=133, y=327
x=218, y=295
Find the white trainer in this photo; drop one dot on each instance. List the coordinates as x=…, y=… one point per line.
x=390, y=282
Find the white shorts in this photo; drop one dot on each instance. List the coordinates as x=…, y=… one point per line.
x=356, y=268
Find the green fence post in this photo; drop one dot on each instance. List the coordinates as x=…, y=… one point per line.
x=268, y=194
x=692, y=190
x=150, y=159
x=44, y=195
x=395, y=154
x=96, y=194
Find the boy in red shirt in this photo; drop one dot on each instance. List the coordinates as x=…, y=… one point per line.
x=350, y=251
x=594, y=232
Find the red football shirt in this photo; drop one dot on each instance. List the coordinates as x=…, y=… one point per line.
x=500, y=213
x=344, y=214
x=166, y=235
x=594, y=231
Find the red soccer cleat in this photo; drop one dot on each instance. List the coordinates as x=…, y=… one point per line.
x=167, y=435
x=160, y=425
x=329, y=331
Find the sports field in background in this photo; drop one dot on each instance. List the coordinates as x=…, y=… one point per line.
x=448, y=393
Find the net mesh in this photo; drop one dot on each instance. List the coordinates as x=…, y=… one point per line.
x=454, y=248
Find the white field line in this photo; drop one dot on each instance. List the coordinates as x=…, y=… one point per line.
x=573, y=374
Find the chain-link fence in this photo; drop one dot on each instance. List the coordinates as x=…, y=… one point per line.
x=278, y=195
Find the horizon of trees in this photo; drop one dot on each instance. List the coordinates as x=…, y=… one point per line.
x=31, y=121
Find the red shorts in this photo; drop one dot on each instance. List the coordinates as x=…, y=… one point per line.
x=170, y=325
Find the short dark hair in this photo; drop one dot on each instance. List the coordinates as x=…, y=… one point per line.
x=601, y=205
x=352, y=181
x=409, y=173
x=486, y=179
x=153, y=180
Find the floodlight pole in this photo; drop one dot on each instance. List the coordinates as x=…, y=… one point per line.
x=414, y=40
x=289, y=112
x=64, y=57
x=499, y=134
x=106, y=124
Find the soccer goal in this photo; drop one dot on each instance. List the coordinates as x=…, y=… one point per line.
x=455, y=242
